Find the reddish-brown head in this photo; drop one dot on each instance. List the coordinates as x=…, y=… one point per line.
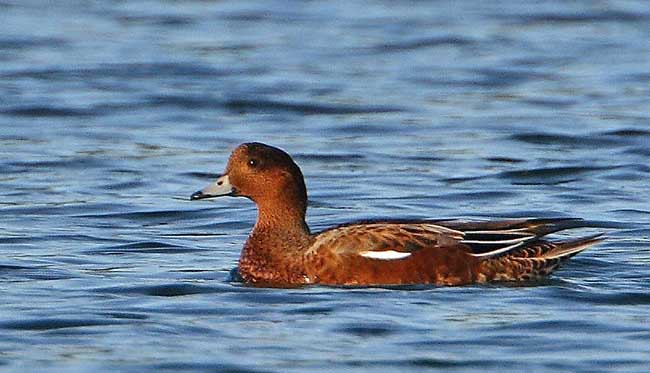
x=265, y=174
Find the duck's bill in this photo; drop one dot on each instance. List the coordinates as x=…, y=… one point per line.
x=219, y=188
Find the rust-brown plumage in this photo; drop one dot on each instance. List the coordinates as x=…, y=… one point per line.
x=281, y=251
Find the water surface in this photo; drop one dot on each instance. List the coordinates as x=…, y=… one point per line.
x=113, y=113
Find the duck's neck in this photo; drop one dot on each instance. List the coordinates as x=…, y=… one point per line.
x=272, y=253
x=280, y=225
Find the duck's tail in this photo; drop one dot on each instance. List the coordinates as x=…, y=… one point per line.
x=532, y=262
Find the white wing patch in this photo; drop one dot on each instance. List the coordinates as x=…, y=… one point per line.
x=384, y=255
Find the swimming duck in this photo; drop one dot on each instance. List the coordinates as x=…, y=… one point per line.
x=282, y=252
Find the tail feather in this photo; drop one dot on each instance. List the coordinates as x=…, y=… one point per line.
x=567, y=249
x=516, y=249
x=532, y=262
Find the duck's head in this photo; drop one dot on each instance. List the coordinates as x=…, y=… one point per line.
x=263, y=173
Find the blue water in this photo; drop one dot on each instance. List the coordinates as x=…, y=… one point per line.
x=113, y=113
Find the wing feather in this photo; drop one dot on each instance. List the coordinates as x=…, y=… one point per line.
x=489, y=239
x=384, y=237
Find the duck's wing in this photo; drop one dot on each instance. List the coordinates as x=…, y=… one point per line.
x=481, y=239
x=384, y=239
x=519, y=237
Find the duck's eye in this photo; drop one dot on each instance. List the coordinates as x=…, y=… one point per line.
x=252, y=162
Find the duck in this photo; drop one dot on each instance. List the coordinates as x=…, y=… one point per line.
x=281, y=251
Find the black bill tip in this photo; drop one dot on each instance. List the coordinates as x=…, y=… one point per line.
x=198, y=195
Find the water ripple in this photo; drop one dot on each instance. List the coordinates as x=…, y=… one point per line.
x=130, y=71
x=543, y=138
x=629, y=132
x=48, y=111
x=164, y=290
x=586, y=17
x=54, y=323
x=422, y=43
x=306, y=108
x=38, y=272
x=8, y=43
x=150, y=247
x=369, y=330
x=206, y=367
x=548, y=175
